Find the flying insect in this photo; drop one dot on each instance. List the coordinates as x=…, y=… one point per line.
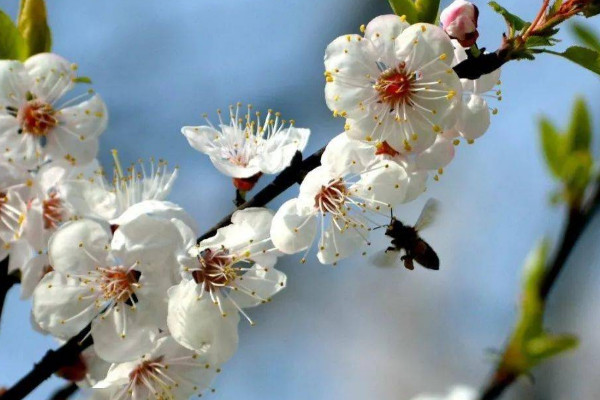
x=407, y=238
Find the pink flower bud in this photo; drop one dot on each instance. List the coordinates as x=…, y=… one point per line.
x=459, y=20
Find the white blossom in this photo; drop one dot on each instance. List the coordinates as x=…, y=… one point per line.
x=248, y=146
x=393, y=85
x=168, y=371
x=117, y=282
x=336, y=199
x=474, y=115
x=222, y=276
x=35, y=124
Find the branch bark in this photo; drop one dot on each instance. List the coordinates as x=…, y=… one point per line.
x=65, y=392
x=577, y=221
x=55, y=359
x=6, y=282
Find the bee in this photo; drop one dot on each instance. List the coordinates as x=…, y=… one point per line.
x=407, y=238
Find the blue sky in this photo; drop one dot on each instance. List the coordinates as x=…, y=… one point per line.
x=353, y=331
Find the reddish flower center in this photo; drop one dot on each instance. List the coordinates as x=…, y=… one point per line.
x=119, y=284
x=52, y=211
x=385, y=148
x=37, y=118
x=395, y=86
x=331, y=197
x=216, y=270
x=145, y=372
x=246, y=184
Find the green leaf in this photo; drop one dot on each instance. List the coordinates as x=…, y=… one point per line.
x=583, y=56
x=579, y=134
x=82, y=79
x=513, y=21
x=553, y=147
x=547, y=346
x=586, y=36
x=427, y=10
x=33, y=25
x=12, y=45
x=406, y=8
x=554, y=7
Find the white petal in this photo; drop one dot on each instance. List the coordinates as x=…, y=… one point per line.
x=338, y=244
x=263, y=282
x=14, y=83
x=382, y=31
x=351, y=63
x=474, y=120
x=87, y=120
x=109, y=342
x=432, y=42
x=291, y=231
x=61, y=145
x=89, y=199
x=157, y=209
x=52, y=76
x=19, y=149
x=344, y=155
x=201, y=138
x=437, y=156
x=382, y=187
x=279, y=149
x=62, y=306
x=195, y=323
x=79, y=246
x=416, y=185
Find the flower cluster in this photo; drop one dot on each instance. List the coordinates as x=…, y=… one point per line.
x=113, y=254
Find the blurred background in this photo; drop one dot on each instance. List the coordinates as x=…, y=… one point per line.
x=353, y=331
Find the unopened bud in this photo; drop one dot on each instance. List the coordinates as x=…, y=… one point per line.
x=459, y=20
x=75, y=371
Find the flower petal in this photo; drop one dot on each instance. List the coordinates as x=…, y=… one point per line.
x=52, y=76
x=258, y=285
x=85, y=121
x=382, y=31
x=291, y=231
x=78, y=247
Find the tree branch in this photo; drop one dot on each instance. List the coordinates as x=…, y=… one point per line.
x=577, y=221
x=6, y=282
x=295, y=173
x=65, y=392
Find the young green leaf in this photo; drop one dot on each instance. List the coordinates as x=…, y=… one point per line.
x=579, y=134
x=586, y=36
x=406, y=8
x=33, y=25
x=12, y=45
x=587, y=58
x=552, y=146
x=513, y=21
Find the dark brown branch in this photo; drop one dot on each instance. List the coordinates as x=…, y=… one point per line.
x=577, y=221
x=6, y=282
x=65, y=392
x=54, y=360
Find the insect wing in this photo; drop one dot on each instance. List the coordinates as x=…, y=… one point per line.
x=426, y=256
x=428, y=214
x=386, y=258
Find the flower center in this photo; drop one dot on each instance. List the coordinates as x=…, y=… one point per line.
x=216, y=269
x=37, y=118
x=395, y=86
x=145, y=372
x=331, y=197
x=52, y=211
x=119, y=283
x=385, y=149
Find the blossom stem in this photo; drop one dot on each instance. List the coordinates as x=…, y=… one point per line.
x=537, y=19
x=577, y=221
x=295, y=173
x=65, y=392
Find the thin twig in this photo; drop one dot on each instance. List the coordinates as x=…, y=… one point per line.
x=65, y=392
x=577, y=221
x=54, y=360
